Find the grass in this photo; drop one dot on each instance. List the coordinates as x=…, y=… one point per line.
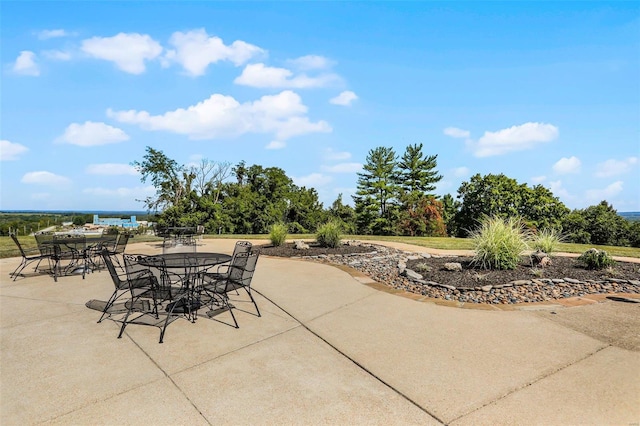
x=9, y=249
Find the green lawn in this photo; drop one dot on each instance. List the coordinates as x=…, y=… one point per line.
x=9, y=249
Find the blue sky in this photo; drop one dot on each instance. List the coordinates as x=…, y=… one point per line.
x=543, y=92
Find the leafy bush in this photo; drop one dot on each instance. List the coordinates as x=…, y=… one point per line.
x=547, y=240
x=329, y=234
x=278, y=234
x=596, y=259
x=499, y=243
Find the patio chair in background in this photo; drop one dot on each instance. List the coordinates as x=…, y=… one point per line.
x=240, y=274
x=119, y=248
x=27, y=259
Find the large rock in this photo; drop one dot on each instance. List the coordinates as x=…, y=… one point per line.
x=453, y=266
x=300, y=245
x=411, y=274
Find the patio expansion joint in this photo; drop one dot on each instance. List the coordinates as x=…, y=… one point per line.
x=532, y=382
x=168, y=377
x=356, y=363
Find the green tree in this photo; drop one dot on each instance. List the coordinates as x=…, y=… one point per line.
x=416, y=174
x=601, y=223
x=450, y=207
x=344, y=214
x=166, y=176
x=376, y=187
x=500, y=196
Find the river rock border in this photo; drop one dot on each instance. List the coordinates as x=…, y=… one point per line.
x=388, y=265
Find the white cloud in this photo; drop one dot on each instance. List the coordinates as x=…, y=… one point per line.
x=195, y=51
x=26, y=64
x=92, y=134
x=515, y=138
x=275, y=145
x=259, y=75
x=130, y=193
x=615, y=167
x=220, y=116
x=343, y=168
x=345, y=98
x=128, y=51
x=10, y=151
x=112, y=169
x=332, y=155
x=454, y=132
x=595, y=195
x=45, y=178
x=311, y=62
x=567, y=165
x=538, y=179
x=47, y=34
x=313, y=180
x=56, y=55
x=461, y=171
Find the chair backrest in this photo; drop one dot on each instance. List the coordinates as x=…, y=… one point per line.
x=15, y=240
x=109, y=242
x=121, y=244
x=134, y=269
x=44, y=243
x=241, y=247
x=242, y=268
x=112, y=269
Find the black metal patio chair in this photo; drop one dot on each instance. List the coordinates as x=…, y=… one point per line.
x=121, y=284
x=239, y=275
x=143, y=306
x=29, y=258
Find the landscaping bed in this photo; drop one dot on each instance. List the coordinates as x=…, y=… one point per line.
x=563, y=278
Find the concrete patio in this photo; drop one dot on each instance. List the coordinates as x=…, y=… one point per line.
x=328, y=349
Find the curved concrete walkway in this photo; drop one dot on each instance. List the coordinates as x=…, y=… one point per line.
x=327, y=350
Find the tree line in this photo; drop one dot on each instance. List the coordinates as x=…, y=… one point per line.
x=394, y=196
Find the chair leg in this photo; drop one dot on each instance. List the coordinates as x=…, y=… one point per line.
x=110, y=303
x=19, y=269
x=253, y=300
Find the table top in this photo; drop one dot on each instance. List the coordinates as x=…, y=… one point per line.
x=185, y=260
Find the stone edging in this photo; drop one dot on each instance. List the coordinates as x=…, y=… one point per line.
x=393, y=277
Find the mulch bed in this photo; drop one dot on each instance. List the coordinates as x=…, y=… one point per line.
x=432, y=269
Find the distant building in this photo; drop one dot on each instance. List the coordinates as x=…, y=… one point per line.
x=115, y=221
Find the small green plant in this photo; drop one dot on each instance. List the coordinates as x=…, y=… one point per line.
x=596, y=259
x=499, y=243
x=547, y=241
x=329, y=234
x=422, y=267
x=536, y=272
x=278, y=234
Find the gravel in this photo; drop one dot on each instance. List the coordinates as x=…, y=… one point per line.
x=425, y=274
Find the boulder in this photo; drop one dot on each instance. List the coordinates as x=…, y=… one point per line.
x=300, y=245
x=453, y=266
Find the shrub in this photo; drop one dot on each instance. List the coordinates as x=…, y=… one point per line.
x=547, y=241
x=328, y=235
x=499, y=243
x=596, y=259
x=278, y=234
